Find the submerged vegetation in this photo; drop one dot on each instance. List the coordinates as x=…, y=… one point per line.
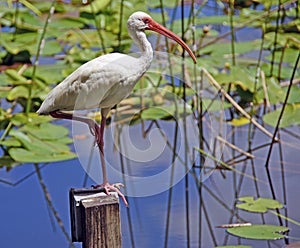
x=247, y=73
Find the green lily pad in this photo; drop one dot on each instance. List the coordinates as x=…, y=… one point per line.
x=34, y=143
x=66, y=23
x=51, y=47
x=214, y=105
x=10, y=142
x=155, y=113
x=30, y=118
x=16, y=92
x=25, y=156
x=291, y=116
x=162, y=112
x=15, y=77
x=239, y=77
x=48, y=74
x=260, y=205
x=46, y=131
x=97, y=6
x=261, y=232
x=290, y=56
x=275, y=92
x=44, y=143
x=223, y=49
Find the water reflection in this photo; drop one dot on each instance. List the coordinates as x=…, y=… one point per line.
x=186, y=215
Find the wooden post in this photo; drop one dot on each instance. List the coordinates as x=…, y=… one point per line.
x=95, y=218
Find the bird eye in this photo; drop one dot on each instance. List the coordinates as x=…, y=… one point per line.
x=145, y=20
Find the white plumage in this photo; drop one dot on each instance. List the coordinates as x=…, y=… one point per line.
x=105, y=81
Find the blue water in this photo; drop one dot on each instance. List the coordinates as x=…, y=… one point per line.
x=27, y=222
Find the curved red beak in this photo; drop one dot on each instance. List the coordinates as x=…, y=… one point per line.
x=154, y=26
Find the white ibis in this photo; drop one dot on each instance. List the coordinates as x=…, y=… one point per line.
x=104, y=81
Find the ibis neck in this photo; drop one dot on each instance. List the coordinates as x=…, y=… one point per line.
x=146, y=50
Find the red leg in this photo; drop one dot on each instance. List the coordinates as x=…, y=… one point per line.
x=98, y=132
x=106, y=185
x=93, y=126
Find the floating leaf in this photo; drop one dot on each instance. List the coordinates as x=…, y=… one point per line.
x=212, y=105
x=31, y=7
x=275, y=92
x=31, y=143
x=291, y=116
x=10, y=142
x=155, y=113
x=178, y=91
x=157, y=4
x=36, y=150
x=165, y=112
x=15, y=77
x=46, y=131
x=219, y=19
x=18, y=91
x=239, y=121
x=224, y=49
x=294, y=96
x=260, y=205
x=66, y=23
x=137, y=101
x=262, y=232
x=289, y=56
x=44, y=6
x=51, y=47
x=237, y=76
x=95, y=6
x=30, y=118
x=24, y=156
x=49, y=74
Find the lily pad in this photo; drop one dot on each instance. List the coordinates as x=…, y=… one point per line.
x=37, y=150
x=155, y=113
x=97, y=6
x=16, y=92
x=291, y=116
x=25, y=156
x=261, y=232
x=30, y=118
x=10, y=142
x=165, y=112
x=260, y=205
x=239, y=77
x=239, y=121
x=15, y=78
x=214, y=105
x=46, y=131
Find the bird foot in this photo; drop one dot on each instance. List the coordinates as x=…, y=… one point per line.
x=112, y=187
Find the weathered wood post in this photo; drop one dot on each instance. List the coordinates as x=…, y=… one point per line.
x=95, y=218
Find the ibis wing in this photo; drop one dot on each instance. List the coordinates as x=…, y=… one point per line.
x=101, y=82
